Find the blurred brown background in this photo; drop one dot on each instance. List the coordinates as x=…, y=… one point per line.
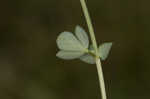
x=29, y=68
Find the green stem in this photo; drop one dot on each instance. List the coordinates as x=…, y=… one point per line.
x=101, y=78
x=90, y=26
x=98, y=62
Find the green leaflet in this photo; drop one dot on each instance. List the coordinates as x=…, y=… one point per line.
x=82, y=36
x=68, y=42
x=68, y=55
x=72, y=47
x=104, y=50
x=87, y=58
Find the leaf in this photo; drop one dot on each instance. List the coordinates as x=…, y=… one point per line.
x=67, y=41
x=104, y=50
x=68, y=55
x=82, y=36
x=87, y=58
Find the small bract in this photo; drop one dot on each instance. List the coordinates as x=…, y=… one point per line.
x=104, y=50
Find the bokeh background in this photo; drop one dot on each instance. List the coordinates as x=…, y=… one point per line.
x=29, y=68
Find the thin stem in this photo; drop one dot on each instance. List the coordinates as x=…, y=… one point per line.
x=98, y=62
x=89, y=23
x=101, y=78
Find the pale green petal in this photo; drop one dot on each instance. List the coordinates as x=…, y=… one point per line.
x=67, y=41
x=104, y=50
x=82, y=36
x=87, y=59
x=68, y=55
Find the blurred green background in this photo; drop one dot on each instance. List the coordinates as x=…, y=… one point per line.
x=29, y=68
